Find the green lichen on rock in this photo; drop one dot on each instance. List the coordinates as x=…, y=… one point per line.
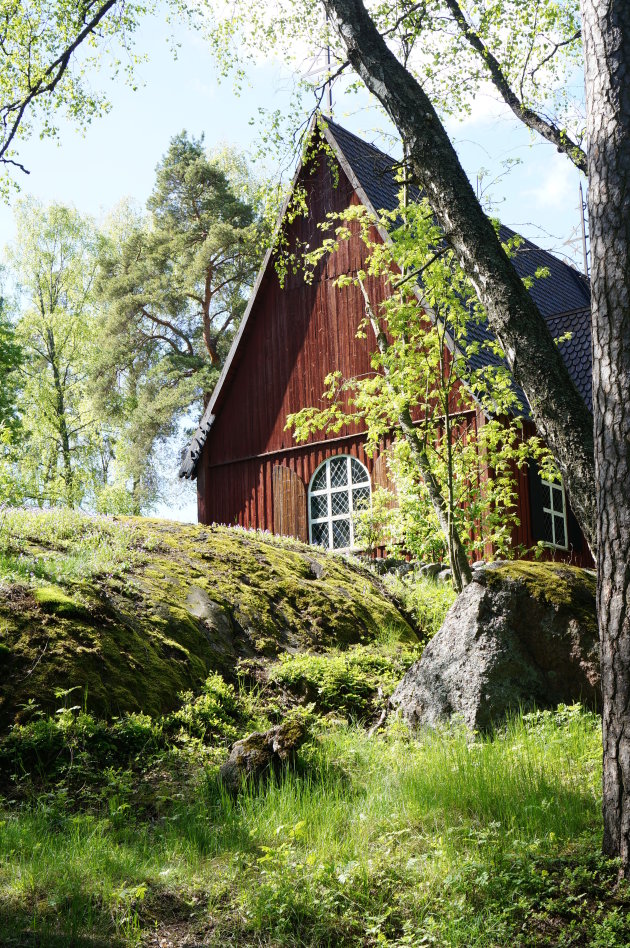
x=567, y=588
x=132, y=611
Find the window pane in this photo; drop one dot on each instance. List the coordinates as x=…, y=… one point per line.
x=331, y=503
x=547, y=532
x=319, y=506
x=359, y=474
x=319, y=533
x=361, y=498
x=319, y=481
x=561, y=539
x=338, y=472
x=341, y=533
x=556, y=493
x=339, y=503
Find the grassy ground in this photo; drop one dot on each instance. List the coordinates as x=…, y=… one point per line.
x=373, y=841
x=133, y=653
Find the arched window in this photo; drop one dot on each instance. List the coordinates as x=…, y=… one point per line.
x=339, y=488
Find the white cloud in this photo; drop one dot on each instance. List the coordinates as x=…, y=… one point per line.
x=556, y=186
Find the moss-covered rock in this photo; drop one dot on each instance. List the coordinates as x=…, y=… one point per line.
x=567, y=589
x=260, y=754
x=521, y=635
x=131, y=612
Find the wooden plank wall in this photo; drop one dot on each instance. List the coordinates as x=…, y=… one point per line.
x=241, y=492
x=296, y=335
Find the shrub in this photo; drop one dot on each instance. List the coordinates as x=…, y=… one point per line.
x=351, y=682
x=212, y=716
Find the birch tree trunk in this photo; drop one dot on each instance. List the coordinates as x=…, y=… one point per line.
x=561, y=416
x=606, y=28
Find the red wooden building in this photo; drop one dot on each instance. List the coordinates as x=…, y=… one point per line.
x=249, y=470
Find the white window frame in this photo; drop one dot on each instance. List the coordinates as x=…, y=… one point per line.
x=328, y=491
x=551, y=486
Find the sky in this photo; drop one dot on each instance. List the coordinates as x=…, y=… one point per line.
x=115, y=158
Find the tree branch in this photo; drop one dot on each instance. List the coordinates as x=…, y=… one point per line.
x=529, y=117
x=168, y=325
x=47, y=82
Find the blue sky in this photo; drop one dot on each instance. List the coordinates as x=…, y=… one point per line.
x=116, y=157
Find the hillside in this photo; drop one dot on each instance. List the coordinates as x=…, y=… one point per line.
x=132, y=612
x=134, y=653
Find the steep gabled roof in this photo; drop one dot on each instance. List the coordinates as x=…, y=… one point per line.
x=563, y=297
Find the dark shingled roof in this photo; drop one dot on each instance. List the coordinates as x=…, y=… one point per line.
x=563, y=297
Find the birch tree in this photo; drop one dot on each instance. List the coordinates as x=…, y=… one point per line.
x=64, y=449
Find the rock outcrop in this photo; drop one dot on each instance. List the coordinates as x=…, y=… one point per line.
x=260, y=754
x=130, y=612
x=520, y=635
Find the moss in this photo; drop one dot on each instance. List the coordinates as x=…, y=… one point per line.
x=55, y=600
x=567, y=588
x=177, y=603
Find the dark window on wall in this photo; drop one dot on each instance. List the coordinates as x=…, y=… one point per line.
x=555, y=513
x=552, y=520
x=339, y=488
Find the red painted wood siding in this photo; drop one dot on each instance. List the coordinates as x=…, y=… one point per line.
x=295, y=336
x=241, y=492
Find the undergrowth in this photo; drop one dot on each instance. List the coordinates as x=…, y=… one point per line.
x=354, y=682
x=426, y=599
x=445, y=841
x=64, y=545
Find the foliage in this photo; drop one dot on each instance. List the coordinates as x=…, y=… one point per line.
x=65, y=450
x=213, y=715
x=51, y=50
x=121, y=821
x=425, y=599
x=173, y=286
x=432, y=355
x=73, y=747
x=102, y=377
x=374, y=840
x=10, y=358
x=530, y=53
x=352, y=682
x=11, y=486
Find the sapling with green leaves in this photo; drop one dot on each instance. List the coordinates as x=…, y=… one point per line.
x=455, y=477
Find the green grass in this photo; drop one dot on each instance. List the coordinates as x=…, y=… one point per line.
x=372, y=841
x=63, y=545
x=425, y=599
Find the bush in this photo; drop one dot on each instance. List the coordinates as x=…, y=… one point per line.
x=352, y=682
x=213, y=716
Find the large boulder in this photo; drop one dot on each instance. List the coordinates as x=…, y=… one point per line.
x=520, y=635
x=130, y=612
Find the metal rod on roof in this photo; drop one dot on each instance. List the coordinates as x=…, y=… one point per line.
x=328, y=61
x=583, y=224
